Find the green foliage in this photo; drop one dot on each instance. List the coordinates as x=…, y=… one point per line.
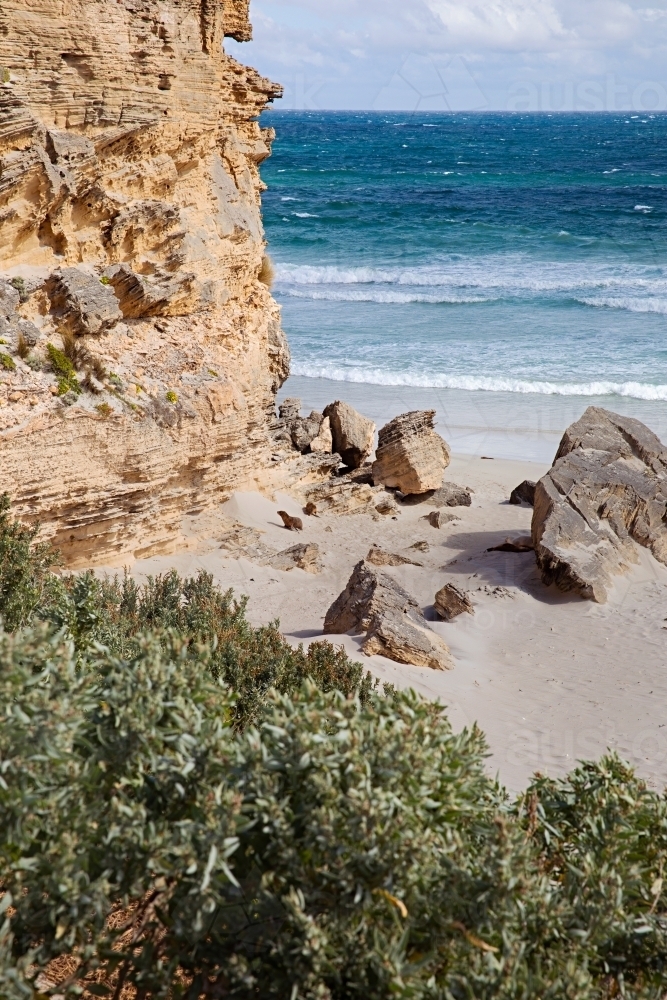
x=19, y=283
x=7, y=362
x=25, y=580
x=5, y=75
x=63, y=367
x=191, y=808
x=171, y=396
x=104, y=280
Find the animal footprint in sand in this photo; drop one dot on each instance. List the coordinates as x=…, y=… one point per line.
x=291, y=523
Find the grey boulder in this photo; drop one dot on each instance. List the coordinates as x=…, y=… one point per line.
x=81, y=303
x=606, y=491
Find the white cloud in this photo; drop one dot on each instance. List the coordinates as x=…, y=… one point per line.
x=352, y=53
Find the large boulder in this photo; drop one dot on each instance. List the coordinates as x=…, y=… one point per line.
x=81, y=303
x=606, y=490
x=374, y=603
x=353, y=435
x=411, y=456
x=451, y=601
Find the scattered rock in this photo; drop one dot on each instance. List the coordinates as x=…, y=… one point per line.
x=341, y=495
x=353, y=434
x=411, y=456
x=305, y=556
x=448, y=495
x=450, y=602
x=379, y=557
x=373, y=603
x=421, y=546
x=523, y=493
x=291, y=523
x=606, y=489
x=81, y=303
x=290, y=409
x=524, y=543
x=323, y=443
x=387, y=506
x=247, y=542
x=310, y=510
x=436, y=518
x=304, y=430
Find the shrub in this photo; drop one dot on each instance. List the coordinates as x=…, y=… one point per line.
x=22, y=347
x=104, y=280
x=19, y=283
x=25, y=579
x=171, y=397
x=62, y=366
x=7, y=362
x=104, y=409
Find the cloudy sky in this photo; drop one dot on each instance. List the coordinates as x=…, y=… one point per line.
x=462, y=54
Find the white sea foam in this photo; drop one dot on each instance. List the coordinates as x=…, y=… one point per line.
x=474, y=383
x=383, y=296
x=643, y=305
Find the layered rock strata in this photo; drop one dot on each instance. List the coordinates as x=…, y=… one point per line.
x=131, y=241
x=411, y=456
x=606, y=491
x=375, y=604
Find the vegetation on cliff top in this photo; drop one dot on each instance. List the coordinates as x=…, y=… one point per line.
x=190, y=807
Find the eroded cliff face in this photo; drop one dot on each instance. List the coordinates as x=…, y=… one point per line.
x=131, y=241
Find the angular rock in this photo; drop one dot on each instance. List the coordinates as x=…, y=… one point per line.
x=353, y=435
x=387, y=506
x=437, y=518
x=323, y=443
x=81, y=303
x=305, y=556
x=448, y=495
x=421, y=546
x=451, y=601
x=523, y=493
x=379, y=557
x=411, y=456
x=290, y=409
x=304, y=430
x=373, y=603
x=606, y=490
x=137, y=296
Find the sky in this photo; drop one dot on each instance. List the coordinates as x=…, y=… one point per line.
x=461, y=55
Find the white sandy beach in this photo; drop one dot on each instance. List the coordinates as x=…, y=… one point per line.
x=550, y=678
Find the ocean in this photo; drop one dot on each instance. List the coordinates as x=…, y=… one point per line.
x=508, y=269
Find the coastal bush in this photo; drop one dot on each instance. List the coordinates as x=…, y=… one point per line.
x=191, y=808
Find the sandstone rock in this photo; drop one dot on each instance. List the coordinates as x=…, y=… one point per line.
x=447, y=495
x=130, y=146
x=438, y=518
x=606, y=490
x=290, y=409
x=305, y=556
x=353, y=435
x=379, y=557
x=304, y=430
x=410, y=455
x=341, y=495
x=323, y=443
x=451, y=601
x=421, y=546
x=387, y=506
x=81, y=303
x=373, y=603
x=523, y=493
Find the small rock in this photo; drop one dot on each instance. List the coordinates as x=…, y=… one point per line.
x=421, y=546
x=523, y=493
x=437, y=518
x=353, y=434
x=15, y=397
x=448, y=495
x=291, y=523
x=375, y=604
x=450, y=602
x=323, y=443
x=305, y=556
x=81, y=303
x=387, y=506
x=290, y=409
x=379, y=557
x=411, y=456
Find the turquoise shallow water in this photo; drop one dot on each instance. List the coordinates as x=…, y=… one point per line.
x=518, y=254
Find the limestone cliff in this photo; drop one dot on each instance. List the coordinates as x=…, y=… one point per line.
x=140, y=350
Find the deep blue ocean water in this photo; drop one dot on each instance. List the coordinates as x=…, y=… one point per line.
x=510, y=252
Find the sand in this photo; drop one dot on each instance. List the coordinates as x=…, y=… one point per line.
x=550, y=678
